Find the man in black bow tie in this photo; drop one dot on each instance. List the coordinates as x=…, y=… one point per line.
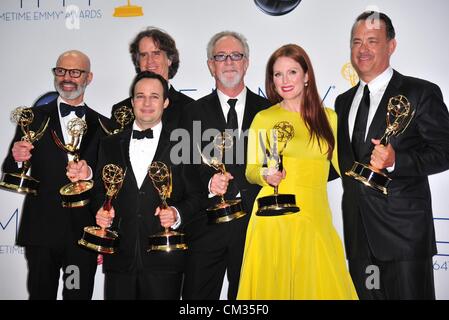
x=48, y=231
x=132, y=272
x=65, y=109
x=148, y=133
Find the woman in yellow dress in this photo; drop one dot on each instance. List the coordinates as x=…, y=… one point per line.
x=298, y=255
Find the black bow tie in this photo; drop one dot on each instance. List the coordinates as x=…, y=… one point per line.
x=65, y=110
x=143, y=134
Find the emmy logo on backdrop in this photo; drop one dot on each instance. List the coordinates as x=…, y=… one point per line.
x=74, y=194
x=123, y=116
x=225, y=210
x=277, y=204
x=100, y=239
x=21, y=182
x=348, y=73
x=168, y=240
x=128, y=10
x=399, y=115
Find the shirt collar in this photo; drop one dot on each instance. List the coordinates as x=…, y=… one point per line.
x=157, y=129
x=224, y=98
x=380, y=81
x=60, y=99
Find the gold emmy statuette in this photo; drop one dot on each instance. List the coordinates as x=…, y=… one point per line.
x=225, y=210
x=399, y=115
x=100, y=239
x=74, y=194
x=21, y=182
x=277, y=204
x=348, y=73
x=128, y=11
x=123, y=116
x=168, y=240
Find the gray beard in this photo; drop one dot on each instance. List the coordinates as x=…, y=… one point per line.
x=72, y=94
x=230, y=83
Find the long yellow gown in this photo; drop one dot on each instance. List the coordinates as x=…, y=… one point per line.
x=300, y=255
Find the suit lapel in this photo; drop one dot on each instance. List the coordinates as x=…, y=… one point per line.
x=124, y=150
x=216, y=112
x=344, y=130
x=55, y=126
x=250, y=110
x=172, y=96
x=163, y=147
x=92, y=124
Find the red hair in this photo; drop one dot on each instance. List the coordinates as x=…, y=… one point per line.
x=312, y=110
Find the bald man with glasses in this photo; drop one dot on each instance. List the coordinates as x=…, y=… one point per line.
x=48, y=231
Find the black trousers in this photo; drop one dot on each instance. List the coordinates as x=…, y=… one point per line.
x=218, y=250
x=44, y=265
x=396, y=280
x=388, y=280
x=143, y=285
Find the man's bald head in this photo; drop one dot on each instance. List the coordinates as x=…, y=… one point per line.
x=77, y=55
x=72, y=75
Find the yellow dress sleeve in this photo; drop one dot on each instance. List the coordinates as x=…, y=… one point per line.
x=333, y=120
x=255, y=152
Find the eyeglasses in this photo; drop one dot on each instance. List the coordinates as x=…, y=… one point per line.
x=74, y=73
x=235, y=56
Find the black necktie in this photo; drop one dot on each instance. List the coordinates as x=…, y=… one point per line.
x=358, y=135
x=232, y=122
x=66, y=109
x=143, y=134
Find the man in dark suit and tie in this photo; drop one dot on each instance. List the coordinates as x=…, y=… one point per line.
x=48, y=231
x=132, y=272
x=218, y=248
x=390, y=238
x=155, y=50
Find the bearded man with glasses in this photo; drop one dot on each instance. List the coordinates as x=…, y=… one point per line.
x=48, y=231
x=218, y=248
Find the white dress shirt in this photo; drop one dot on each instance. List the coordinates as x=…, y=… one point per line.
x=141, y=154
x=377, y=89
x=65, y=134
x=239, y=109
x=64, y=121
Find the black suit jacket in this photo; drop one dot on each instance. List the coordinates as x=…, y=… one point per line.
x=135, y=207
x=171, y=115
x=398, y=226
x=208, y=111
x=44, y=221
